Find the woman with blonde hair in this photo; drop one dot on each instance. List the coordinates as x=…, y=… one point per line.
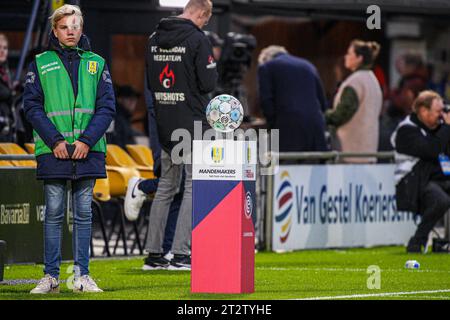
x=357, y=104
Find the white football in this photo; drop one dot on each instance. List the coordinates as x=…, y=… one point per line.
x=224, y=113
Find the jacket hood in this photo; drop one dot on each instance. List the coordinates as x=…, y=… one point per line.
x=53, y=43
x=173, y=30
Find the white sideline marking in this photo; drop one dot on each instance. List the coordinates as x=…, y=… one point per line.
x=386, y=294
x=349, y=269
x=432, y=297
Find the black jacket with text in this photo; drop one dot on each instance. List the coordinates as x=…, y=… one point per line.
x=180, y=71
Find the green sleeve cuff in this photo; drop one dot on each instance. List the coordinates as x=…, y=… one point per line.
x=345, y=110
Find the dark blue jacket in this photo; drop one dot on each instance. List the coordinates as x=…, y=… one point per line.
x=48, y=166
x=293, y=101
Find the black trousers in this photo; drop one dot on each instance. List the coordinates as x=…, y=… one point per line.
x=436, y=202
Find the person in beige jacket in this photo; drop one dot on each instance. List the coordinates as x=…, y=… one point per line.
x=354, y=118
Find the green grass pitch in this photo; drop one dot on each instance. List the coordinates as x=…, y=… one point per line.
x=333, y=274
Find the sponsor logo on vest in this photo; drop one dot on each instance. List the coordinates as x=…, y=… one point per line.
x=106, y=76
x=92, y=67
x=30, y=77
x=50, y=67
x=167, y=77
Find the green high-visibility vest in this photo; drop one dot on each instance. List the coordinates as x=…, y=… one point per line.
x=70, y=115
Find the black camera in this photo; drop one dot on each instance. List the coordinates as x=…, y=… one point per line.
x=236, y=56
x=446, y=108
x=238, y=48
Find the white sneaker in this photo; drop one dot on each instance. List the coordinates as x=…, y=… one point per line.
x=133, y=199
x=169, y=255
x=180, y=262
x=85, y=284
x=47, y=284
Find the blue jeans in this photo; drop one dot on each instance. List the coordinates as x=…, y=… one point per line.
x=55, y=201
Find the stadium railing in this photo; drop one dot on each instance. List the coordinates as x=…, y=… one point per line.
x=12, y=148
x=265, y=185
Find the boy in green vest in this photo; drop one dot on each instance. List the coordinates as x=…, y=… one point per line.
x=69, y=100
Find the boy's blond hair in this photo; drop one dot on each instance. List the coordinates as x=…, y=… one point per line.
x=64, y=11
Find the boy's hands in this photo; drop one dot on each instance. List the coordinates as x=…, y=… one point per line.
x=60, y=151
x=81, y=150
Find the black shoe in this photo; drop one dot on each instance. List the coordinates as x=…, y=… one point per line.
x=415, y=245
x=441, y=245
x=180, y=262
x=155, y=262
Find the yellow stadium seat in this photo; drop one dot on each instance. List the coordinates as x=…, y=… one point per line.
x=101, y=194
x=101, y=190
x=29, y=147
x=112, y=188
x=12, y=148
x=118, y=157
x=4, y=163
x=118, y=182
x=118, y=179
x=141, y=154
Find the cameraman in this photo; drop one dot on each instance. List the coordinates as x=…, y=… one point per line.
x=421, y=143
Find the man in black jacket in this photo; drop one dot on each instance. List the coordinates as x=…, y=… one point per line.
x=422, y=177
x=181, y=71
